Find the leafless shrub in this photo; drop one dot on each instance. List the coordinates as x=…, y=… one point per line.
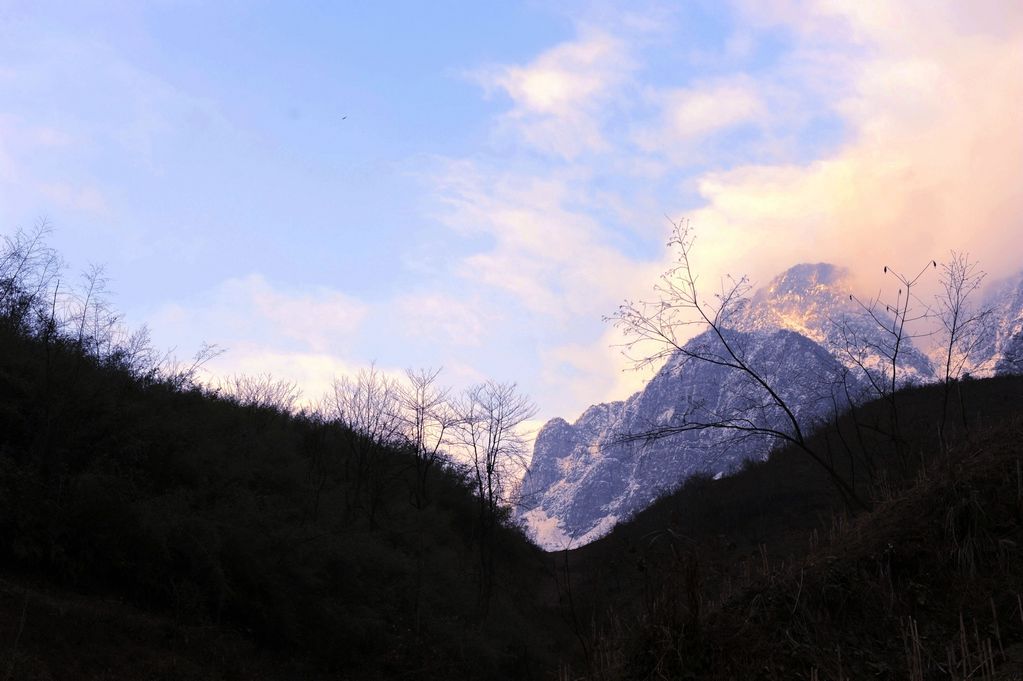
x=182, y=375
x=488, y=433
x=879, y=347
x=429, y=419
x=262, y=391
x=29, y=271
x=368, y=403
x=964, y=326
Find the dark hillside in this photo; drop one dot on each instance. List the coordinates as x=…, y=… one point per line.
x=151, y=528
x=142, y=512
x=765, y=575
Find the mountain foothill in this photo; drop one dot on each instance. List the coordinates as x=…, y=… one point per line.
x=153, y=526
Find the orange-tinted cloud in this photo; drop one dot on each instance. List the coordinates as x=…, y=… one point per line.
x=934, y=153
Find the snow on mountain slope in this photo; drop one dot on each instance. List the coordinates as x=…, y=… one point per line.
x=801, y=331
x=586, y=478
x=1002, y=350
x=813, y=300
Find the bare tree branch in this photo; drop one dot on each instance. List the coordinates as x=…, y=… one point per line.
x=678, y=312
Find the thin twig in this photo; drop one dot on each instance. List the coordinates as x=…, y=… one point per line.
x=17, y=638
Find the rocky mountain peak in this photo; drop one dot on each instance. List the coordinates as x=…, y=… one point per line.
x=800, y=329
x=1002, y=351
x=806, y=279
x=808, y=298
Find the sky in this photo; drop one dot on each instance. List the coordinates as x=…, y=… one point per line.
x=319, y=186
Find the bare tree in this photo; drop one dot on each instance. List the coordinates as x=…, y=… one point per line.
x=879, y=349
x=489, y=433
x=668, y=326
x=429, y=418
x=185, y=376
x=964, y=326
x=33, y=298
x=263, y=391
x=368, y=404
x=135, y=353
x=95, y=323
x=28, y=274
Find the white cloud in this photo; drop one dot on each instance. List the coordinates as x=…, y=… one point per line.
x=586, y=373
x=559, y=98
x=301, y=336
x=20, y=143
x=928, y=97
x=455, y=321
x=313, y=373
x=932, y=160
x=47, y=137
x=548, y=252
x=318, y=321
x=688, y=115
x=85, y=199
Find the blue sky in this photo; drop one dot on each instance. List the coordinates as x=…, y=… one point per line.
x=318, y=186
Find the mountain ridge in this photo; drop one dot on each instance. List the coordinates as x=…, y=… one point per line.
x=583, y=479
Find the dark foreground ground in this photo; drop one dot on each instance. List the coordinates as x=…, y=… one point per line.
x=150, y=530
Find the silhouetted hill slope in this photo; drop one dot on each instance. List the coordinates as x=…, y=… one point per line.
x=48, y=633
x=153, y=529
x=240, y=524
x=763, y=574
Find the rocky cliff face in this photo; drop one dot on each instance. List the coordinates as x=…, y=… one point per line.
x=813, y=301
x=1002, y=350
x=801, y=332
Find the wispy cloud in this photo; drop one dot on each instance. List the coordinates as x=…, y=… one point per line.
x=559, y=100
x=691, y=114
x=547, y=251
x=312, y=372
x=449, y=320
x=592, y=371
x=863, y=133
x=317, y=321
x=84, y=199
x=923, y=98
x=931, y=161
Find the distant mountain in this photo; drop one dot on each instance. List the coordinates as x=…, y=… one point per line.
x=1002, y=350
x=587, y=480
x=801, y=331
x=813, y=301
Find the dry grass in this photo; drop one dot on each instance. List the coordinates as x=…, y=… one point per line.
x=926, y=586
x=51, y=635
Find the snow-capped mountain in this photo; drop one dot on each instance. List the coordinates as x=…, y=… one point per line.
x=813, y=301
x=801, y=331
x=1001, y=352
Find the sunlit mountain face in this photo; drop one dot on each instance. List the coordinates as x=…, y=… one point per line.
x=803, y=332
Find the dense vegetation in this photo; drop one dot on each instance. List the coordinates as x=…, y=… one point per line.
x=127, y=489
x=151, y=528
x=766, y=575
